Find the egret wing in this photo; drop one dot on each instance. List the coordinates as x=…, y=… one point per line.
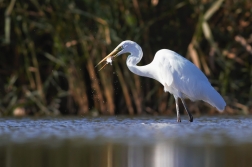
x=188, y=79
x=193, y=84
x=164, y=69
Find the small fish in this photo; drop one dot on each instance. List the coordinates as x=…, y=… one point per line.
x=109, y=60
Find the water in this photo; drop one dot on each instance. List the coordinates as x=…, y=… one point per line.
x=126, y=142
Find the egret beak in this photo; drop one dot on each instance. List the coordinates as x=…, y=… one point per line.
x=113, y=54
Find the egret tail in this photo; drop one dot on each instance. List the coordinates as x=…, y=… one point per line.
x=215, y=99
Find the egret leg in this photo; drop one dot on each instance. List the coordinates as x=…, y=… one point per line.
x=177, y=108
x=188, y=112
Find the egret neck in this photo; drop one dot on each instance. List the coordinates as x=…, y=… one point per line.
x=135, y=57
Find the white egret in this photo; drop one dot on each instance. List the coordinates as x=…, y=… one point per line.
x=178, y=75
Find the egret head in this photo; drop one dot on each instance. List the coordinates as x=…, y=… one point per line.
x=123, y=47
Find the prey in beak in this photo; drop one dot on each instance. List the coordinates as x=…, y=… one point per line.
x=110, y=57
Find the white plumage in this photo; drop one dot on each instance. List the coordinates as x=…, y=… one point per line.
x=178, y=75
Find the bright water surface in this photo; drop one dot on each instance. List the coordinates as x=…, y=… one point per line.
x=126, y=142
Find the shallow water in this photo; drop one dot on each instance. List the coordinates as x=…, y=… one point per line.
x=124, y=141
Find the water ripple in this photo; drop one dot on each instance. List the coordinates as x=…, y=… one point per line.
x=205, y=130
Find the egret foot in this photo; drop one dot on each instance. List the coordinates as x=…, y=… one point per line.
x=188, y=112
x=177, y=109
x=191, y=118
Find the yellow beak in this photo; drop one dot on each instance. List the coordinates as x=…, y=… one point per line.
x=112, y=55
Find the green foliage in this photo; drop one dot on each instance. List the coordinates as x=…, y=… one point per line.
x=49, y=50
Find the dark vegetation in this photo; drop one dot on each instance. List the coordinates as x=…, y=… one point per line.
x=49, y=50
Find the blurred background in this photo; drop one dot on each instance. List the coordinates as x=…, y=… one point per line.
x=49, y=50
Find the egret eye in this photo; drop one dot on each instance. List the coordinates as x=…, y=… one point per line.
x=120, y=48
